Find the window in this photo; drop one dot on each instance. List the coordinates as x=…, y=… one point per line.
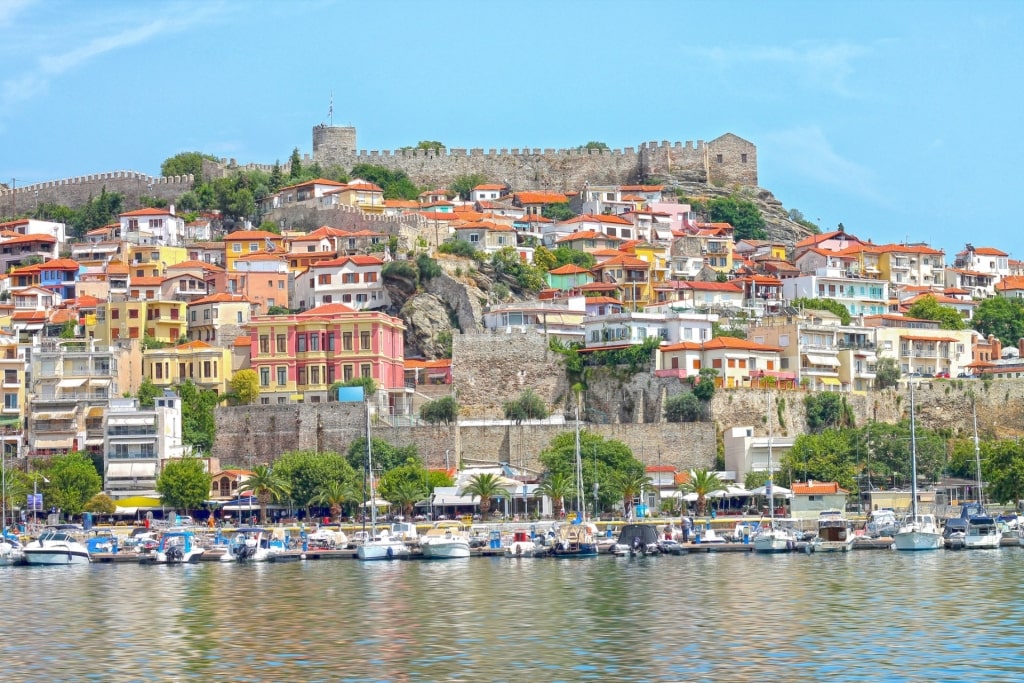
x=349, y=278
x=365, y=370
x=264, y=343
x=207, y=369
x=331, y=372
x=314, y=341
x=474, y=237
x=206, y=314
x=364, y=340
x=330, y=341
x=264, y=377
x=324, y=279
x=314, y=374
x=254, y=246
x=181, y=371
x=282, y=375
x=133, y=313
x=192, y=316
x=346, y=373
x=238, y=317
x=718, y=158
x=282, y=343
x=300, y=342
x=280, y=284
x=10, y=401
x=716, y=363
x=370, y=277
x=236, y=248
x=302, y=376
x=10, y=376
x=264, y=400
x=346, y=341
x=743, y=158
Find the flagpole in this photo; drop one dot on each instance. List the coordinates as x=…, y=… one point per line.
x=330, y=110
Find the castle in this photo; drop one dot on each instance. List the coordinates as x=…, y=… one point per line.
x=727, y=160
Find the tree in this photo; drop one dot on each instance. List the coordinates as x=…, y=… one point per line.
x=295, y=162
x=824, y=305
x=827, y=456
x=334, y=494
x=1003, y=469
x=278, y=310
x=396, y=184
x=556, y=486
x=147, y=393
x=276, y=181
x=629, y=485
x=704, y=387
x=73, y=481
x=268, y=486
x=887, y=373
x=827, y=410
x=386, y=456
x=100, y=504
x=528, y=406
x=702, y=482
x=506, y=261
x=462, y=185
x=717, y=330
x=557, y=212
x=683, y=408
x=1001, y=317
x=600, y=459
x=797, y=216
x=405, y=493
x=245, y=385
x=184, y=483
x=443, y=409
x=742, y=214
x=197, y=422
x=186, y=163
x=594, y=144
x=68, y=331
x=368, y=384
x=428, y=144
x=928, y=308
x=309, y=472
x=485, y=486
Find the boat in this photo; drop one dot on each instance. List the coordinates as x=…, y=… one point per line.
x=918, y=531
x=10, y=545
x=770, y=537
x=579, y=538
x=522, y=544
x=55, y=548
x=835, y=533
x=254, y=544
x=445, y=540
x=379, y=545
x=637, y=539
x=178, y=547
x=982, y=530
x=405, y=531
x=882, y=522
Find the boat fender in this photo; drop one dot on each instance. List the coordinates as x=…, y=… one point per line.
x=391, y=553
x=789, y=545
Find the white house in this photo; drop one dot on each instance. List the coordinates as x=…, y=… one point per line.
x=153, y=226
x=351, y=280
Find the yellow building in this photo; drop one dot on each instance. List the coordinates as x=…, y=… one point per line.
x=245, y=242
x=209, y=367
x=164, y=321
x=148, y=260
x=12, y=410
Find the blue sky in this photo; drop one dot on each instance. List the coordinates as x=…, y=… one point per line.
x=900, y=120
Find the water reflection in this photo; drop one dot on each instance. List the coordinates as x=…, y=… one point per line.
x=855, y=616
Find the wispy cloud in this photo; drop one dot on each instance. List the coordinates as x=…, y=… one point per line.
x=90, y=41
x=10, y=9
x=822, y=65
x=807, y=152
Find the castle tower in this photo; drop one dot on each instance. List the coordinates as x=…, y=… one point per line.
x=333, y=144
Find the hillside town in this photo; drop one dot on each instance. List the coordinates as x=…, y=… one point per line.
x=100, y=333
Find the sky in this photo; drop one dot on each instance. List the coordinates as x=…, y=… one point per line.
x=900, y=120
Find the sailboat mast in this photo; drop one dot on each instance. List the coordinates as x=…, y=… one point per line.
x=771, y=471
x=977, y=453
x=579, y=463
x=913, y=457
x=369, y=474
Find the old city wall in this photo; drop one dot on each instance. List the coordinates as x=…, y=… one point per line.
x=75, y=192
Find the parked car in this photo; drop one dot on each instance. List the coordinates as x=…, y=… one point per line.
x=942, y=375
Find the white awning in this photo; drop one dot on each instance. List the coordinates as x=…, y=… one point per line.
x=61, y=415
x=94, y=442
x=115, y=420
x=52, y=443
x=466, y=501
x=142, y=470
x=99, y=383
x=70, y=383
x=816, y=359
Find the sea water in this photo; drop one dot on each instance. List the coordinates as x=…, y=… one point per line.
x=858, y=616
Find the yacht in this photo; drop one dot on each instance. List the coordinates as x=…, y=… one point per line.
x=446, y=540
x=982, y=532
x=835, y=534
x=55, y=548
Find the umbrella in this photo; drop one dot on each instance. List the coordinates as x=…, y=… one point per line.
x=377, y=502
x=690, y=497
x=730, y=492
x=779, y=491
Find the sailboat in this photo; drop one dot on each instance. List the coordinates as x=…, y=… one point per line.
x=10, y=546
x=918, y=531
x=772, y=539
x=579, y=538
x=982, y=530
x=379, y=545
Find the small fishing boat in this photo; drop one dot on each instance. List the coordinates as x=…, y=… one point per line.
x=254, y=544
x=446, y=540
x=522, y=545
x=178, y=547
x=11, y=552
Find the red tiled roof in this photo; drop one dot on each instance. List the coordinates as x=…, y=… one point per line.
x=816, y=488
x=568, y=269
x=195, y=264
x=147, y=212
x=989, y=251
x=147, y=281
x=221, y=298
x=412, y=363
x=489, y=187
x=49, y=239
x=541, y=198
x=252, y=235
x=328, y=309
x=243, y=341
x=590, y=218
x=344, y=260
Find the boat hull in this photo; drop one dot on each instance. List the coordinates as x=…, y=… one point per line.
x=445, y=551
x=918, y=540
x=774, y=543
x=376, y=550
x=42, y=557
x=521, y=549
x=989, y=542
x=833, y=546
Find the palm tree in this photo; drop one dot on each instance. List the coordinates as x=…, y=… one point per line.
x=630, y=485
x=406, y=493
x=268, y=486
x=557, y=486
x=703, y=483
x=334, y=494
x=486, y=486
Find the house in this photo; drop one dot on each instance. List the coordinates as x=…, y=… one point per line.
x=351, y=280
x=207, y=252
x=618, y=330
x=746, y=452
x=533, y=203
x=912, y=264
x=152, y=260
x=630, y=274
x=248, y=242
x=700, y=295
x=928, y=351
x=433, y=196
x=812, y=497
x=299, y=356
x=360, y=194
x=486, y=192
x=137, y=442
x=207, y=366
x=739, y=362
x=610, y=226
x=427, y=372
x=301, y=193
x=762, y=294
x=589, y=241
x=987, y=260
x=1011, y=287
x=858, y=295
x=568, y=277
x=837, y=240
x=486, y=236
x=190, y=280
x=13, y=370
x=35, y=226
x=153, y=226
x=552, y=318
x=219, y=319
x=262, y=278
x=16, y=249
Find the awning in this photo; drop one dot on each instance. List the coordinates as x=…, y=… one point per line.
x=70, y=383
x=115, y=420
x=95, y=411
x=62, y=415
x=51, y=443
x=146, y=470
x=99, y=383
x=463, y=501
x=815, y=359
x=831, y=381
x=10, y=420
x=94, y=442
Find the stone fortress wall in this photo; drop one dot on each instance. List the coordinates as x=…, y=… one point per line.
x=77, y=191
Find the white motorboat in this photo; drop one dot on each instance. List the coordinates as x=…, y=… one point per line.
x=11, y=552
x=522, y=545
x=982, y=533
x=835, y=533
x=178, y=547
x=882, y=522
x=55, y=548
x=254, y=544
x=919, y=531
x=382, y=546
x=446, y=540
